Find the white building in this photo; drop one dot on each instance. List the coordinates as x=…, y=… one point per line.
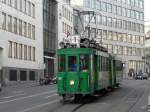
x=65, y=20
x=147, y=54
x=21, y=42
x=120, y=25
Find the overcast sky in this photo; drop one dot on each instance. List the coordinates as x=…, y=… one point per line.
x=147, y=10
x=147, y=15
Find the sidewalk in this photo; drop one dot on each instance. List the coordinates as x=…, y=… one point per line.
x=149, y=103
x=22, y=85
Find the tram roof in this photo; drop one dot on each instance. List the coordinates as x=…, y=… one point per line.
x=76, y=51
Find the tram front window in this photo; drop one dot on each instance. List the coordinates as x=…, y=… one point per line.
x=84, y=63
x=72, y=63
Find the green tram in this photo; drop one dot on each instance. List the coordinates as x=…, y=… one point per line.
x=84, y=71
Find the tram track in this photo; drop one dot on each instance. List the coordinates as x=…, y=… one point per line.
x=77, y=108
x=135, y=98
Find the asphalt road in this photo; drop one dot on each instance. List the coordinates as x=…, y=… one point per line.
x=131, y=97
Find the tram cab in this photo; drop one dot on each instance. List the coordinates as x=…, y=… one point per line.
x=73, y=70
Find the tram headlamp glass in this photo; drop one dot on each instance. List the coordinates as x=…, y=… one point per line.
x=71, y=82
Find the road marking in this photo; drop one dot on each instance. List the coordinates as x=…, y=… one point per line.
x=18, y=92
x=51, y=96
x=149, y=100
x=7, y=97
x=17, y=99
x=39, y=106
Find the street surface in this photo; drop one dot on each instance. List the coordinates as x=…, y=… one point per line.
x=131, y=97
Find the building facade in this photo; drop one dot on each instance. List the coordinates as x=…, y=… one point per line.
x=147, y=54
x=49, y=35
x=58, y=23
x=119, y=27
x=21, y=43
x=65, y=20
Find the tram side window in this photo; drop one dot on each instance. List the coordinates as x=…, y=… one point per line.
x=103, y=63
x=84, y=63
x=119, y=65
x=107, y=64
x=61, y=63
x=72, y=63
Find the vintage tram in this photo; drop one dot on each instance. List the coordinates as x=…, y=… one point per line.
x=86, y=70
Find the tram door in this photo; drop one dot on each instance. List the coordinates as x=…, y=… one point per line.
x=95, y=72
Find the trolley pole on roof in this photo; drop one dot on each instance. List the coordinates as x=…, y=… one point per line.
x=91, y=16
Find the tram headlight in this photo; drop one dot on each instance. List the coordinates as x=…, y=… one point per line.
x=72, y=82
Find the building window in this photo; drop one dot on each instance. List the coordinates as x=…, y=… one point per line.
x=104, y=6
x=120, y=50
x=9, y=2
x=133, y=39
x=129, y=39
x=109, y=35
x=99, y=35
x=124, y=50
x=29, y=8
x=114, y=22
x=33, y=53
x=110, y=49
x=141, y=4
x=33, y=32
x=20, y=51
x=115, y=36
x=129, y=51
x=124, y=37
x=23, y=75
x=120, y=37
x=4, y=1
x=15, y=4
x=25, y=52
x=15, y=50
x=15, y=25
x=128, y=13
x=133, y=51
x=25, y=29
x=32, y=76
x=29, y=52
x=3, y=21
x=133, y=2
x=124, y=24
x=142, y=40
x=24, y=6
x=115, y=9
x=10, y=49
x=104, y=20
x=20, y=27
x=20, y=5
x=109, y=21
x=137, y=39
x=105, y=34
x=119, y=12
x=9, y=23
x=124, y=12
x=109, y=8
x=13, y=75
x=33, y=10
x=29, y=30
x=115, y=49
x=119, y=23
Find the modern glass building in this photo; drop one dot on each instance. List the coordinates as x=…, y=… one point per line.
x=49, y=35
x=120, y=28
x=57, y=23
